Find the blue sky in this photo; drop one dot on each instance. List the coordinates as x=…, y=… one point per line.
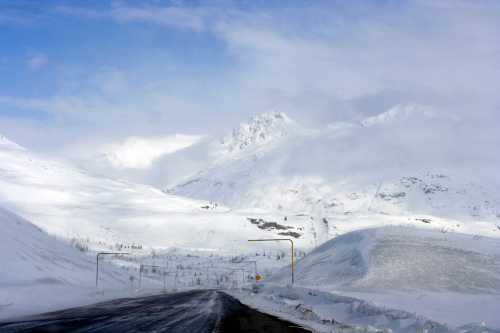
x=46, y=50
x=121, y=68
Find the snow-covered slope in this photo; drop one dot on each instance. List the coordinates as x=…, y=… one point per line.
x=383, y=164
x=40, y=272
x=66, y=200
x=440, y=275
x=71, y=203
x=30, y=256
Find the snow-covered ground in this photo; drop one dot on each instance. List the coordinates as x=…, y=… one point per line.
x=400, y=278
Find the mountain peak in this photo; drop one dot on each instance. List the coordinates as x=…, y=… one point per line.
x=399, y=111
x=260, y=130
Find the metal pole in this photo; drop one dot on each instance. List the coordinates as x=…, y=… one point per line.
x=140, y=276
x=97, y=271
x=293, y=262
x=277, y=240
x=97, y=263
x=151, y=266
x=242, y=274
x=164, y=281
x=254, y=267
x=254, y=264
x=208, y=279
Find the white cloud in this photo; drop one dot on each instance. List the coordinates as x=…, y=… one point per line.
x=54, y=104
x=15, y=17
x=172, y=16
x=37, y=61
x=80, y=12
x=141, y=152
x=177, y=17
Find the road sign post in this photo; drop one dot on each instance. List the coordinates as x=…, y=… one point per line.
x=278, y=240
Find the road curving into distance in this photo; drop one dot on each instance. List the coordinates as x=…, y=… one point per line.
x=190, y=311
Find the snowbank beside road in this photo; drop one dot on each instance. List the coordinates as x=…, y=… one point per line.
x=402, y=258
x=327, y=312
x=331, y=312
x=448, y=277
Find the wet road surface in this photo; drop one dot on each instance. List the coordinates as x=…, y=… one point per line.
x=190, y=312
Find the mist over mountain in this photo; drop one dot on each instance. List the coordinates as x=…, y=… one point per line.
x=410, y=157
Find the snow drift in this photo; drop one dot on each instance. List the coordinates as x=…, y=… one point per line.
x=405, y=259
x=449, y=277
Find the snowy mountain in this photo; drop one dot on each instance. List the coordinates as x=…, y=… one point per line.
x=399, y=112
x=264, y=200
x=162, y=160
x=260, y=132
x=381, y=165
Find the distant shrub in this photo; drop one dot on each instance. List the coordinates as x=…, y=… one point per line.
x=79, y=245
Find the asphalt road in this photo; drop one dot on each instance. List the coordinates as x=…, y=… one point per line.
x=186, y=312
